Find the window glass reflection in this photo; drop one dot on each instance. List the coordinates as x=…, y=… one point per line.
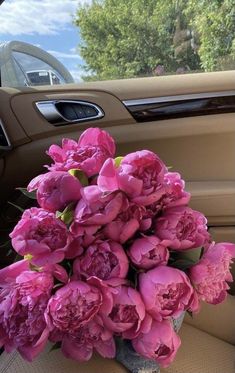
x=36, y=72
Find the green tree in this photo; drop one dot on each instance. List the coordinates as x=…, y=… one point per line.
x=128, y=38
x=214, y=22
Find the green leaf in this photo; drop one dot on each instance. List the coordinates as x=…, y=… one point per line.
x=17, y=258
x=31, y=195
x=17, y=207
x=10, y=251
x=67, y=215
x=183, y=264
x=190, y=313
x=191, y=254
x=202, y=252
x=118, y=160
x=56, y=346
x=80, y=175
x=56, y=286
x=58, y=214
x=5, y=244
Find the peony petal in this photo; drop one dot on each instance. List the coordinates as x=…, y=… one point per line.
x=107, y=179
x=106, y=349
x=10, y=273
x=29, y=353
x=56, y=153
x=98, y=137
x=34, y=183
x=72, y=350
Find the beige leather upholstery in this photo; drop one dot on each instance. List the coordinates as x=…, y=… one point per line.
x=201, y=350
x=199, y=353
x=54, y=362
x=219, y=320
x=208, y=341
x=202, y=353
x=202, y=148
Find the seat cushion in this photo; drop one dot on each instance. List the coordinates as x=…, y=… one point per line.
x=199, y=353
x=55, y=362
x=202, y=353
x=218, y=320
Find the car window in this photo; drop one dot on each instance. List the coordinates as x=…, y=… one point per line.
x=36, y=71
x=115, y=39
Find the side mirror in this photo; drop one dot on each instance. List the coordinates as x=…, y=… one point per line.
x=23, y=64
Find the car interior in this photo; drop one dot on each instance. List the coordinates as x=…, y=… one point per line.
x=189, y=121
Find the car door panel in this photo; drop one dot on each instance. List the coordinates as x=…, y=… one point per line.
x=201, y=148
x=36, y=126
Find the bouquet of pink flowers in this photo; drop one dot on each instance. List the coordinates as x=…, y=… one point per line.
x=104, y=256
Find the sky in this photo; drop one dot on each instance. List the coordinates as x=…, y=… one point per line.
x=47, y=24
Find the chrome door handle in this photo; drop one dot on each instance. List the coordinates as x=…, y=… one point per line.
x=62, y=112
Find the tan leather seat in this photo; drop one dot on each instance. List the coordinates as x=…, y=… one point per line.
x=199, y=353
x=202, y=353
x=208, y=346
x=218, y=320
x=54, y=362
x=208, y=341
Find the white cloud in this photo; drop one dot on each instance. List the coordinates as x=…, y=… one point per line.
x=73, y=50
x=64, y=55
x=77, y=75
x=44, y=17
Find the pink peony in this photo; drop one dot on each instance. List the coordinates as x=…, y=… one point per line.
x=174, y=195
x=55, y=190
x=23, y=301
x=160, y=343
x=93, y=336
x=57, y=271
x=140, y=175
x=183, y=227
x=11, y=272
x=98, y=137
x=88, y=154
x=211, y=274
x=166, y=292
x=75, y=305
x=130, y=219
x=148, y=252
x=103, y=259
x=127, y=313
x=41, y=235
x=95, y=209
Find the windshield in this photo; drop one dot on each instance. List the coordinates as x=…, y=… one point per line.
x=115, y=39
